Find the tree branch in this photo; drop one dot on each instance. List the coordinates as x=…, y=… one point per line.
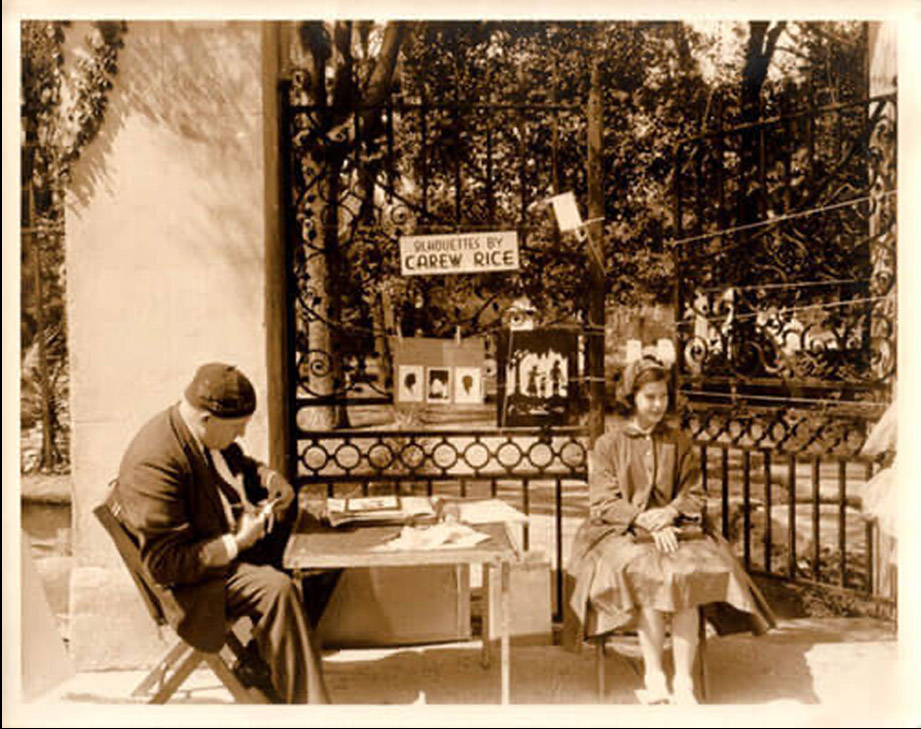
x=773, y=36
x=382, y=76
x=794, y=52
x=685, y=60
x=314, y=38
x=344, y=82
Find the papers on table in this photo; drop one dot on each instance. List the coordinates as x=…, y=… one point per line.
x=376, y=509
x=438, y=536
x=404, y=509
x=372, y=503
x=489, y=511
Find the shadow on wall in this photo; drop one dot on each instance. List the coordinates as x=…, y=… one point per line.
x=199, y=85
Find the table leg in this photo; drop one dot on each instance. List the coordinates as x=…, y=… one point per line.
x=486, y=636
x=504, y=614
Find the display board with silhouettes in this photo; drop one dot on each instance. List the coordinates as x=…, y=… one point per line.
x=537, y=377
x=438, y=372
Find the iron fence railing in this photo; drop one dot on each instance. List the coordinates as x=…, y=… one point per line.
x=507, y=463
x=786, y=327
x=792, y=516
x=796, y=516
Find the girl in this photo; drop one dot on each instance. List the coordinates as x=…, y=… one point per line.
x=646, y=552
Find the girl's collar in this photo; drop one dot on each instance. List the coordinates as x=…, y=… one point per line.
x=632, y=428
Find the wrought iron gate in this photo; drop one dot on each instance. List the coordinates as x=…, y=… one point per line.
x=786, y=320
x=416, y=167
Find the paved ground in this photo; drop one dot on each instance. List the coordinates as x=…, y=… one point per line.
x=838, y=671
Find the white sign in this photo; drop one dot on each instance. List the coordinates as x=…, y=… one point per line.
x=566, y=212
x=424, y=255
x=665, y=351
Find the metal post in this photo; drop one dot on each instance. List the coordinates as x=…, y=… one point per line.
x=596, y=275
x=842, y=521
x=288, y=223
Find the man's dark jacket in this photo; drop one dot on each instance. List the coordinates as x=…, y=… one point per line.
x=167, y=497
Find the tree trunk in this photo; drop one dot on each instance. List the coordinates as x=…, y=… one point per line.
x=762, y=41
x=46, y=459
x=325, y=371
x=326, y=272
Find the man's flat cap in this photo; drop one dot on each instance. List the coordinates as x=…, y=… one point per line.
x=222, y=390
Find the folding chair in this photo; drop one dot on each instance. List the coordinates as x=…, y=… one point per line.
x=181, y=659
x=626, y=645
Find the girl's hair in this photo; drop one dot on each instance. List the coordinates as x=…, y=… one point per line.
x=639, y=372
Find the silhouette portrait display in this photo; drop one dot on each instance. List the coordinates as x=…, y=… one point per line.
x=537, y=371
x=439, y=373
x=439, y=384
x=410, y=383
x=468, y=385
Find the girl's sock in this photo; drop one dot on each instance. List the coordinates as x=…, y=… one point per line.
x=683, y=687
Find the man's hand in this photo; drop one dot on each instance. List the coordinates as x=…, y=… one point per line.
x=267, y=513
x=250, y=530
x=280, y=492
x=655, y=519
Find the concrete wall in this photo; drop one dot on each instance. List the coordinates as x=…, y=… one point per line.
x=170, y=227
x=883, y=57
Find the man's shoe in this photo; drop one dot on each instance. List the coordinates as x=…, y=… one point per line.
x=253, y=672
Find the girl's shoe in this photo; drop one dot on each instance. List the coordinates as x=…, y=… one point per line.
x=655, y=692
x=683, y=694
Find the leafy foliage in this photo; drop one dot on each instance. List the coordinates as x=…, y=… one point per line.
x=503, y=128
x=488, y=122
x=62, y=111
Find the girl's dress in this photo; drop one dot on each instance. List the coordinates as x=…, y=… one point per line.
x=615, y=566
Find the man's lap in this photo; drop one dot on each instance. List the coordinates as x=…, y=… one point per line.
x=251, y=589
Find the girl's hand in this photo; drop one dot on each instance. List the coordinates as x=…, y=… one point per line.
x=666, y=539
x=642, y=520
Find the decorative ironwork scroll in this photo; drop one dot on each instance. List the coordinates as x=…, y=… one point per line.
x=786, y=303
x=358, y=179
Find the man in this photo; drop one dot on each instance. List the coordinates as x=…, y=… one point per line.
x=212, y=524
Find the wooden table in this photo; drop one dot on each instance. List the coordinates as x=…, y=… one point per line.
x=316, y=545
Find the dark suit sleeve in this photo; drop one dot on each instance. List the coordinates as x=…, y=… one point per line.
x=154, y=497
x=260, y=481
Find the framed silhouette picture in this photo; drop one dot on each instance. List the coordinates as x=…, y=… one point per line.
x=468, y=385
x=437, y=374
x=438, y=381
x=411, y=383
x=537, y=375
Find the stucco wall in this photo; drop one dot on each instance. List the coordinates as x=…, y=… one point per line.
x=883, y=57
x=167, y=241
